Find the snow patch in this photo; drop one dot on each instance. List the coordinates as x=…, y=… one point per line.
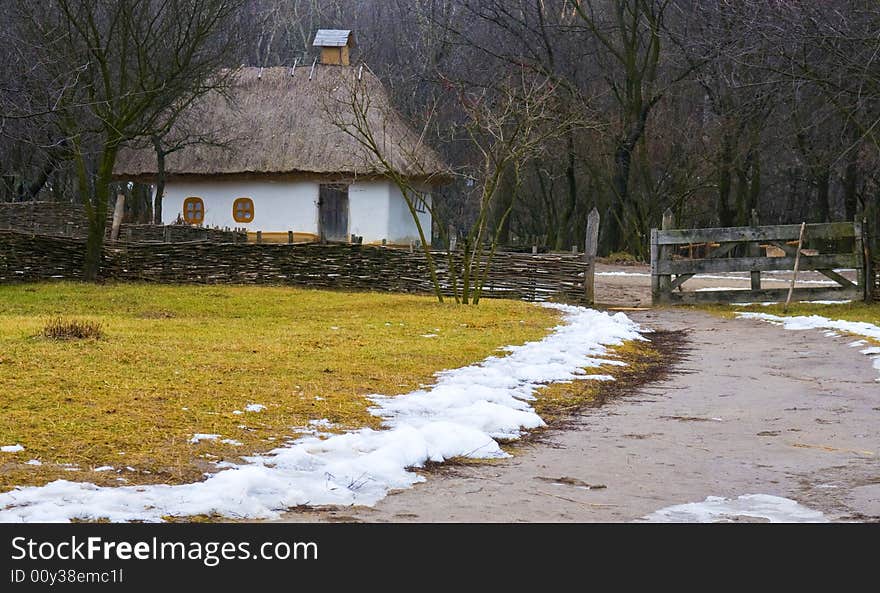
x=104, y=468
x=803, y=322
x=199, y=437
x=33, y=462
x=716, y=509
x=11, y=448
x=462, y=415
x=254, y=408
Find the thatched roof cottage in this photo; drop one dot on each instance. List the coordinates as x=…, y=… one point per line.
x=279, y=161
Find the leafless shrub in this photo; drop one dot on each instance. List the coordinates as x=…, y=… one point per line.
x=72, y=329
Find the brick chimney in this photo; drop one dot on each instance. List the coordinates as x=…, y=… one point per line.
x=335, y=46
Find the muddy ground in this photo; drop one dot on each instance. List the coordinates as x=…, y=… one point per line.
x=750, y=409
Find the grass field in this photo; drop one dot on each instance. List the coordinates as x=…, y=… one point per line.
x=173, y=362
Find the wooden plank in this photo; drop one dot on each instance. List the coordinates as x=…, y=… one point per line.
x=721, y=250
x=754, y=250
x=767, y=295
x=858, y=251
x=679, y=280
x=118, y=213
x=843, y=281
x=664, y=254
x=788, y=232
x=763, y=264
x=591, y=248
x=789, y=250
x=655, y=278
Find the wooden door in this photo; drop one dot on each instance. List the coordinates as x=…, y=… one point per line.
x=333, y=213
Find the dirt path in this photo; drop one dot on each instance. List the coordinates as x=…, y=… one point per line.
x=753, y=409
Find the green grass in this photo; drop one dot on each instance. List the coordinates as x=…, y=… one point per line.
x=175, y=361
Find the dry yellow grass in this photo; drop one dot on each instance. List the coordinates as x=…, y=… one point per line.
x=176, y=361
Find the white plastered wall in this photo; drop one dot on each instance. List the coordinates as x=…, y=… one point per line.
x=402, y=227
x=368, y=210
x=377, y=209
x=279, y=206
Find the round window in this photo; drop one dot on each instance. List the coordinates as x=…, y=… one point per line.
x=243, y=210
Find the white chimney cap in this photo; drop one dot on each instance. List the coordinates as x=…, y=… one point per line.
x=333, y=38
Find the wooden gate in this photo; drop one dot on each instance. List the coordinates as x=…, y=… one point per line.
x=841, y=246
x=333, y=213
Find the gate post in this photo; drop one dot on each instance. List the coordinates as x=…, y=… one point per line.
x=755, y=251
x=655, y=279
x=663, y=253
x=591, y=247
x=863, y=278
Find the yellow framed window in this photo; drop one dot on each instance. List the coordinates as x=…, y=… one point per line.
x=194, y=210
x=243, y=210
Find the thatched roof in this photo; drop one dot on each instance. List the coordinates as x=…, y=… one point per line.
x=283, y=121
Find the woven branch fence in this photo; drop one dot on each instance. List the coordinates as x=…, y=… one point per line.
x=59, y=219
x=529, y=277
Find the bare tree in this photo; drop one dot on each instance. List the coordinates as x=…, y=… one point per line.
x=115, y=68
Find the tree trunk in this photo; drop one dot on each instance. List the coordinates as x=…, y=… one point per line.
x=98, y=216
x=160, y=180
x=33, y=188
x=823, y=205
x=620, y=187
x=564, y=237
x=850, y=186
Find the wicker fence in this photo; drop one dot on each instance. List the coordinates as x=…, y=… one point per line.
x=141, y=233
x=69, y=220
x=45, y=218
x=27, y=257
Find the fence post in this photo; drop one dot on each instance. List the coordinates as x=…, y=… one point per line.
x=452, y=237
x=591, y=247
x=755, y=251
x=166, y=234
x=118, y=212
x=655, y=278
x=290, y=237
x=860, y=252
x=259, y=237
x=663, y=253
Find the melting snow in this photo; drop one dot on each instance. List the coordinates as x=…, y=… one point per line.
x=462, y=415
x=716, y=509
x=199, y=437
x=254, y=408
x=11, y=448
x=859, y=328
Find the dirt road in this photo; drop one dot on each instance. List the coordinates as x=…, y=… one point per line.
x=753, y=409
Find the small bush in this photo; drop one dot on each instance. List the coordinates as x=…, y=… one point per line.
x=73, y=329
x=621, y=258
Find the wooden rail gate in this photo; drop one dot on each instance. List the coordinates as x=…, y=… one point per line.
x=843, y=246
